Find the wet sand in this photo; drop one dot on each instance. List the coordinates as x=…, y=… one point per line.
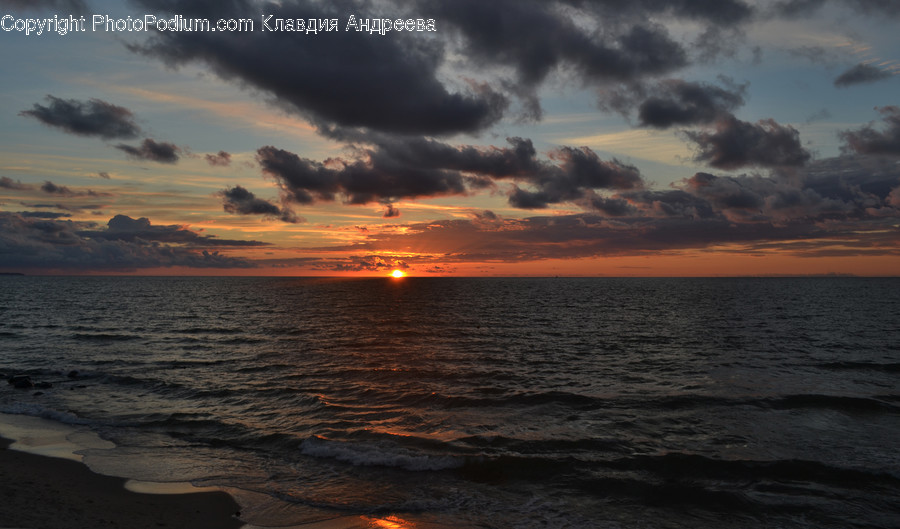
x=38, y=492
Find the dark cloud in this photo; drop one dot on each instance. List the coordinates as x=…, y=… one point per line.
x=86, y=118
x=737, y=143
x=677, y=102
x=861, y=73
x=868, y=7
x=16, y=185
x=614, y=207
x=62, y=245
x=53, y=189
x=577, y=173
x=67, y=207
x=220, y=159
x=153, y=151
x=373, y=263
x=395, y=84
x=240, y=201
x=867, y=140
x=390, y=212
x=104, y=175
x=125, y=228
x=43, y=215
x=415, y=167
x=842, y=206
x=494, y=33
x=670, y=203
x=723, y=12
x=344, y=78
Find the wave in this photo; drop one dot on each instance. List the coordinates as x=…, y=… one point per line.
x=695, y=466
x=890, y=367
x=836, y=402
x=105, y=336
x=384, y=454
x=33, y=409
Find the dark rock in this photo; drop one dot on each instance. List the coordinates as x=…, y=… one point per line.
x=73, y=373
x=43, y=385
x=21, y=381
x=37, y=393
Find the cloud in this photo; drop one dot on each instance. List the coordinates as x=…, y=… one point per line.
x=677, y=102
x=86, y=118
x=847, y=205
x=125, y=228
x=399, y=84
x=153, y=151
x=867, y=140
x=221, y=159
x=798, y=8
x=52, y=189
x=737, y=143
x=387, y=84
x=67, y=207
x=393, y=168
x=390, y=212
x=16, y=185
x=240, y=201
x=43, y=215
x=492, y=34
x=861, y=73
x=372, y=263
x=34, y=243
x=577, y=173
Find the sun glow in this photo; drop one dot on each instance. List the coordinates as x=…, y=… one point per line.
x=398, y=273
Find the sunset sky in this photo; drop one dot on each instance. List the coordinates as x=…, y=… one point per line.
x=565, y=137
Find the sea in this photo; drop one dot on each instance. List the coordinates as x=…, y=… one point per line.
x=478, y=402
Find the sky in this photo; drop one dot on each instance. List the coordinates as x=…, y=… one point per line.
x=475, y=138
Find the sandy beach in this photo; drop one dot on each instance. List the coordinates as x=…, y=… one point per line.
x=38, y=492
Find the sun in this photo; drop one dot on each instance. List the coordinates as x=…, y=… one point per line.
x=398, y=273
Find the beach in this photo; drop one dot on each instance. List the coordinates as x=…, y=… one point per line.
x=55, y=493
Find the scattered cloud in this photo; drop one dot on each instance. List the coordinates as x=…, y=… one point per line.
x=798, y=8
x=40, y=242
x=390, y=211
x=860, y=74
x=220, y=159
x=86, y=118
x=395, y=168
x=153, y=151
x=674, y=102
x=384, y=84
x=240, y=201
x=16, y=185
x=847, y=205
x=52, y=189
x=735, y=144
x=867, y=140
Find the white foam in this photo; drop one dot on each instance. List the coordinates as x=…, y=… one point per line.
x=47, y=437
x=376, y=454
x=153, y=487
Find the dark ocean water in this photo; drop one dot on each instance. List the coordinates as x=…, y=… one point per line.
x=500, y=403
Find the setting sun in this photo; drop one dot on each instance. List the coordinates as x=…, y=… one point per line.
x=398, y=273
